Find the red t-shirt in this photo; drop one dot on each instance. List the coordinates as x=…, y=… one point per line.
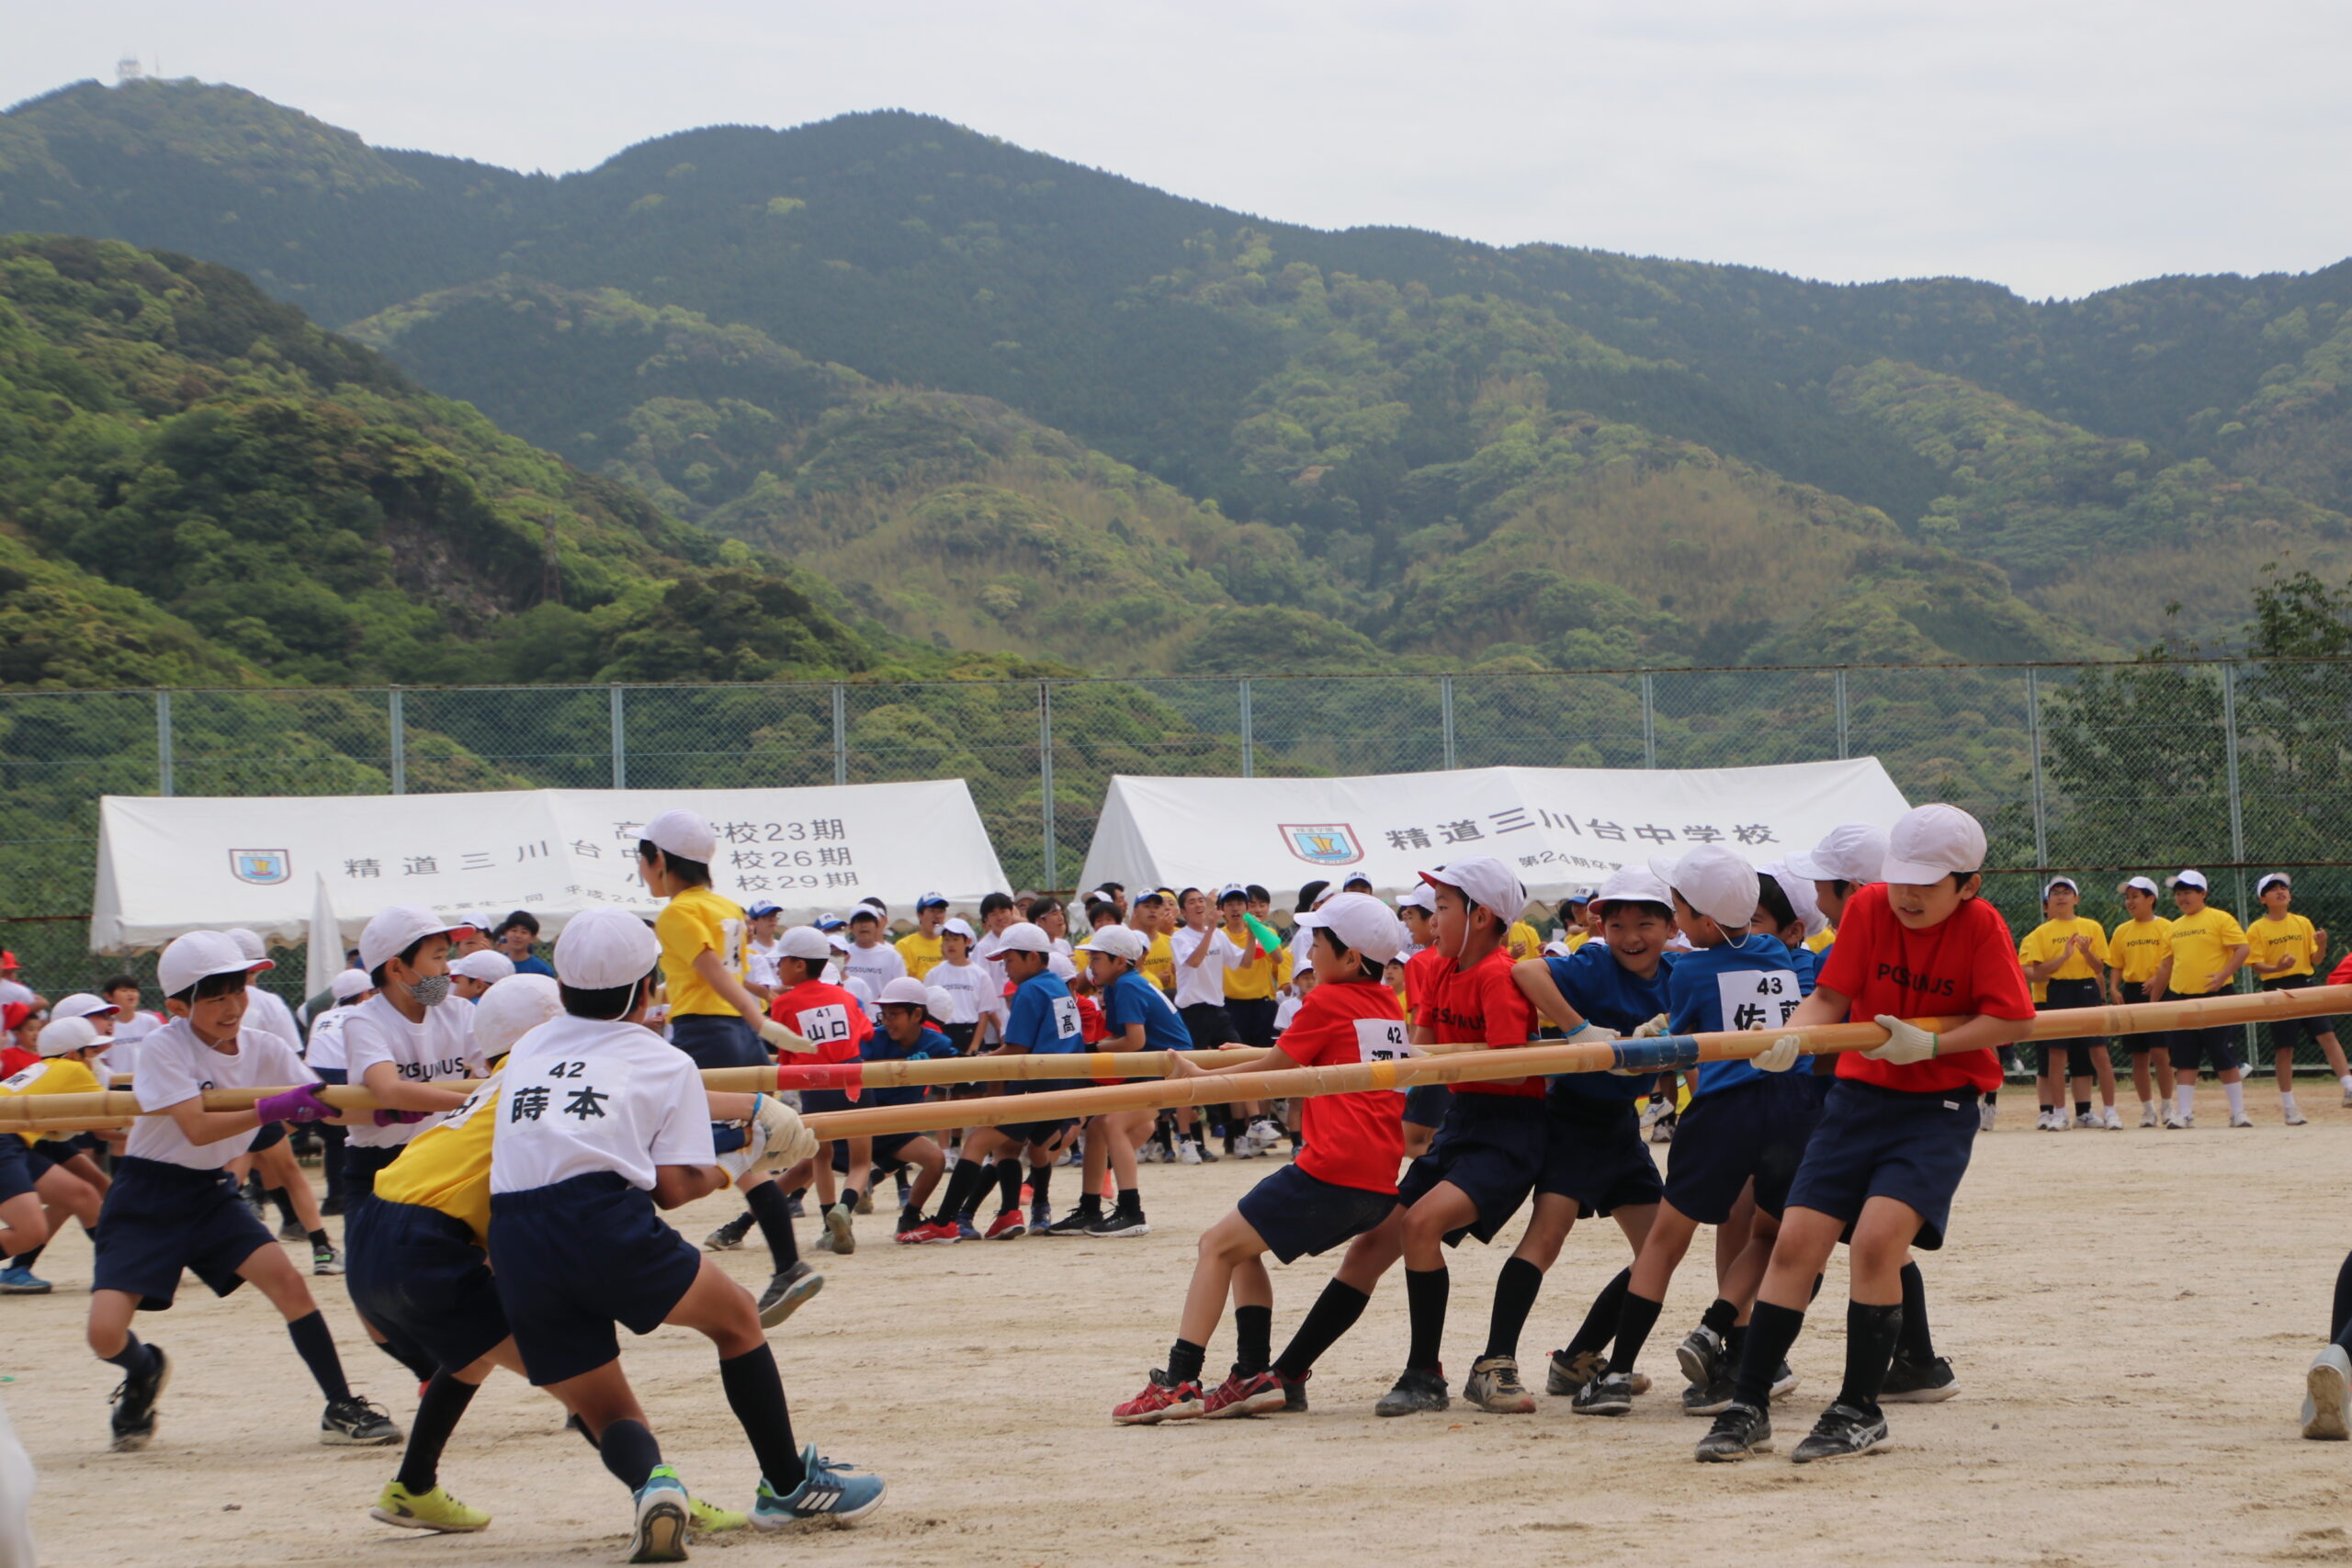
x=827, y=1015
x=1963, y=967
x=1421, y=971
x=1353, y=1140
x=15, y=1059
x=1479, y=1006
x=2342, y=974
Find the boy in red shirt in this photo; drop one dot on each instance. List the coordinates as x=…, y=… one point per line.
x=1895, y=1136
x=1424, y=1103
x=832, y=1020
x=1342, y=1185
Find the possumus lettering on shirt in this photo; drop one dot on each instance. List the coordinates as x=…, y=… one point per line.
x=175, y=1066
x=438, y=1048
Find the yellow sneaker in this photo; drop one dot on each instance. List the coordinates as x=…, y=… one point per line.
x=709, y=1518
x=434, y=1510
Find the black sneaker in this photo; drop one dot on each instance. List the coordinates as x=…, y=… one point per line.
x=134, y=1405
x=1208, y=1154
x=1701, y=1355
x=793, y=1208
x=1711, y=1400
x=1121, y=1223
x=1611, y=1393
x=730, y=1236
x=1078, y=1222
x=1293, y=1391
x=1567, y=1374
x=291, y=1230
x=1784, y=1382
x=1739, y=1431
x=1419, y=1390
x=330, y=1209
x=788, y=1289
x=1841, y=1433
x=1908, y=1382
x=355, y=1423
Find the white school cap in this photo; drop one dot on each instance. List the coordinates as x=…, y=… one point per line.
x=839, y=942
x=2189, y=879
x=2145, y=884
x=1118, y=942
x=1231, y=890
x=959, y=926
x=906, y=992
x=1362, y=924
x=199, y=956
x=2068, y=883
x=1022, y=936
x=686, y=834
x=1713, y=880
x=510, y=1012
x=1854, y=852
x=1422, y=897
x=248, y=941
x=489, y=964
x=1929, y=843
x=604, y=949
x=397, y=927
x=2270, y=879
x=60, y=1035
x=81, y=1004
x=941, y=1004
x=929, y=902
x=1798, y=891
x=805, y=942
x=857, y=986
x=1632, y=885
x=349, y=984
x=1484, y=881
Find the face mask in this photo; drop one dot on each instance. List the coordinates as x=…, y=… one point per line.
x=430, y=991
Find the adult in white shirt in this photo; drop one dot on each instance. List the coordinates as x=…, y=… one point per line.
x=1204, y=953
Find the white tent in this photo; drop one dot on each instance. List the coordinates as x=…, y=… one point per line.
x=1564, y=829
x=169, y=865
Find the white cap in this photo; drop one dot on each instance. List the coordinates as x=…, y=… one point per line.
x=1633, y=884
x=248, y=941
x=81, y=1004
x=1022, y=936
x=397, y=927
x=941, y=1003
x=837, y=942
x=1118, y=942
x=1713, y=880
x=906, y=992
x=602, y=949
x=1362, y=924
x=1484, y=881
x=2189, y=879
x=1929, y=843
x=686, y=834
x=349, y=984
x=1854, y=852
x=959, y=926
x=508, y=1012
x=931, y=900
x=2145, y=884
x=805, y=942
x=488, y=965
x=60, y=1035
x=2270, y=879
x=1422, y=897
x=1231, y=890
x=857, y=986
x=1798, y=891
x=2068, y=883
x=199, y=956
x=865, y=912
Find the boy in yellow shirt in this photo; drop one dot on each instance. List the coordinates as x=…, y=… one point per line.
x=2207, y=949
x=31, y=1183
x=2141, y=941
x=921, y=947
x=2063, y=958
x=2285, y=950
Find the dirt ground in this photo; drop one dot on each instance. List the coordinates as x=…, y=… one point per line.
x=2130, y=1313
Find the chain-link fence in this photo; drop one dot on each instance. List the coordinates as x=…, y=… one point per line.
x=2102, y=771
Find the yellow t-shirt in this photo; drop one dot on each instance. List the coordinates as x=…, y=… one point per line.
x=2138, y=947
x=1819, y=941
x=2049, y=938
x=2201, y=945
x=1255, y=982
x=921, y=953
x=447, y=1167
x=695, y=921
x=2270, y=941
x=1575, y=937
x=57, y=1075
x=1159, y=963
x=1522, y=942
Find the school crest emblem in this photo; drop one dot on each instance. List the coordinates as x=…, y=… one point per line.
x=262, y=868
x=1323, y=843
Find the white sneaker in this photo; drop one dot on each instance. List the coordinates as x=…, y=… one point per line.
x=2328, y=1396
x=1188, y=1153
x=2113, y=1121
x=2295, y=1117
x=1984, y=1114
x=2148, y=1115
x=2240, y=1119
x=2184, y=1120
x=2089, y=1119
x=2347, y=1098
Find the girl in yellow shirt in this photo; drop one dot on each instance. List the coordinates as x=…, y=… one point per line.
x=2141, y=943
x=2283, y=952
x=2063, y=957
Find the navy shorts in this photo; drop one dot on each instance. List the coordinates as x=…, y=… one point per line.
x=361, y=1162
x=574, y=1260
x=1037, y=1132
x=960, y=1036
x=812, y=1101
x=160, y=1218
x=2191, y=1046
x=1593, y=1153
x=20, y=1167
x=1754, y=1131
x=57, y=1151
x=1209, y=1024
x=1425, y=1104
x=718, y=1040
x=2285, y=1032
x=2147, y=1040
x=1885, y=1142
x=1252, y=1019
x=2065, y=995
x=265, y=1137
x=1492, y=1148
x=885, y=1150
x=415, y=1273
x=1296, y=1215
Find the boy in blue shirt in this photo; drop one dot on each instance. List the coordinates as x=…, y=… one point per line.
x=1136, y=1016
x=904, y=1035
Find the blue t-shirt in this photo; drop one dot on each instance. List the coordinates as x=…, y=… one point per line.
x=1132, y=998
x=534, y=966
x=1808, y=963
x=1044, y=1021
x=1612, y=996
x=1748, y=984
x=929, y=1045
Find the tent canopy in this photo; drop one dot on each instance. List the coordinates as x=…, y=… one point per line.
x=169, y=865
x=1562, y=829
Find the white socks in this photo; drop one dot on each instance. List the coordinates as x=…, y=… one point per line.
x=2184, y=1100
x=2237, y=1092
x=2286, y=1102
x=2346, y=1081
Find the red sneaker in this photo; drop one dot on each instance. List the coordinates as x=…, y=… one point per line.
x=1008, y=1226
x=1160, y=1401
x=1237, y=1396
x=936, y=1233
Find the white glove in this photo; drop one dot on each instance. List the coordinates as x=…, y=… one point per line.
x=1594, y=1034
x=781, y=1039
x=1906, y=1043
x=1780, y=1056
x=738, y=1163
x=788, y=1140
x=1652, y=1028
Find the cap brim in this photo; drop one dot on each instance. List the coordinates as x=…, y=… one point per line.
x=1803, y=864
x=1911, y=873
x=1663, y=869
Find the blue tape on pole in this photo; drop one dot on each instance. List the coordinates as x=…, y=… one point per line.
x=1662, y=1053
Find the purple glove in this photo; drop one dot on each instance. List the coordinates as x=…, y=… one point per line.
x=303, y=1104
x=396, y=1118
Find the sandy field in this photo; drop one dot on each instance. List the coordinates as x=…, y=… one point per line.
x=2130, y=1314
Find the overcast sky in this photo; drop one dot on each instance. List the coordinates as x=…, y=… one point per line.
x=2055, y=146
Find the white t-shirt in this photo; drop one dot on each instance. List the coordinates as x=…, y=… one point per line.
x=974, y=990
x=876, y=965
x=586, y=1095
x=268, y=1009
x=175, y=1065
x=326, y=1038
x=16, y=993
x=1202, y=982
x=1286, y=1010
x=122, y=1055
x=759, y=965
x=438, y=1049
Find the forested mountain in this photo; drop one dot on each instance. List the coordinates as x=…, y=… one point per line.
x=1005, y=401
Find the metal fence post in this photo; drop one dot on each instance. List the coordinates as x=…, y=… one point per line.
x=1649, y=721
x=2033, y=747
x=1046, y=778
x=400, y=741
x=1844, y=723
x=1445, y=716
x=1249, y=745
x=2237, y=813
x=621, y=741
x=163, y=743
x=841, y=734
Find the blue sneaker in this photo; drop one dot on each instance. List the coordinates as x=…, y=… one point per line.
x=967, y=1230
x=659, y=1533
x=19, y=1280
x=829, y=1493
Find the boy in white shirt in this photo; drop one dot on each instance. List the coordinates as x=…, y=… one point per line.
x=870, y=958
x=979, y=1014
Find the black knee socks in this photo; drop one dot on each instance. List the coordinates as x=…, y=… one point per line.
x=1515, y=1291
x=1041, y=1182
x=1425, y=1294
x=1916, y=1345
x=1636, y=1318
x=316, y=1347
x=773, y=1211
x=136, y=1359
x=1253, y=1329
x=1334, y=1312
x=1008, y=1185
x=629, y=1451
x=1771, y=1330
x=1599, y=1324
x=1870, y=1336
x=1720, y=1315
x=964, y=1184
x=1185, y=1359
x=755, y=1392
x=445, y=1401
